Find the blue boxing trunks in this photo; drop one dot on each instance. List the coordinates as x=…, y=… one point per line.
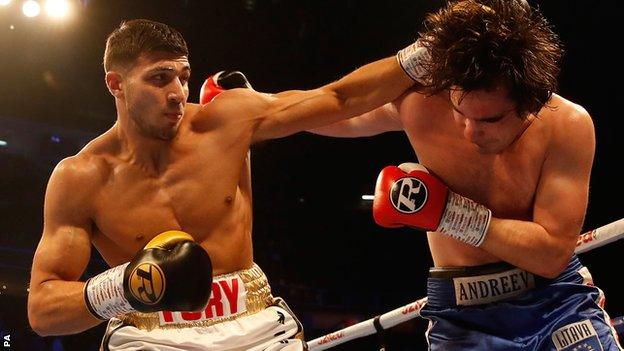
x=501, y=307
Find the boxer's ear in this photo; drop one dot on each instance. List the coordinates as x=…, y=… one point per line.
x=113, y=83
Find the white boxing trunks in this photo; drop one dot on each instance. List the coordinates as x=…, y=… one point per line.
x=241, y=315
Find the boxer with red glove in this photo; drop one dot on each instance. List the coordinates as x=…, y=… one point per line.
x=410, y=195
x=220, y=82
x=155, y=280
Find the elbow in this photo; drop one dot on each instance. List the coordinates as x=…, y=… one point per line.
x=557, y=263
x=550, y=272
x=36, y=319
x=37, y=325
x=38, y=328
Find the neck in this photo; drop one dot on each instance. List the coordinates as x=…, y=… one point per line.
x=525, y=125
x=148, y=153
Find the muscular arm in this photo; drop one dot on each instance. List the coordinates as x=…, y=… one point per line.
x=380, y=120
x=362, y=90
x=55, y=301
x=545, y=245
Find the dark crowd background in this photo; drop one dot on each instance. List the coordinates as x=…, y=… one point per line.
x=314, y=236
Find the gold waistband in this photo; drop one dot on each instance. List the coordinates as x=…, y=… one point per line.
x=258, y=298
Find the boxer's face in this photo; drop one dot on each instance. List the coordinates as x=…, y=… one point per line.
x=488, y=119
x=155, y=92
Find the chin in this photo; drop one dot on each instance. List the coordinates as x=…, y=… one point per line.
x=488, y=150
x=168, y=134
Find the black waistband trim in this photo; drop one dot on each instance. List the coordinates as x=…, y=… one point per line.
x=470, y=271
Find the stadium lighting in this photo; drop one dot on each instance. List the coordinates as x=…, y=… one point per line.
x=57, y=8
x=31, y=8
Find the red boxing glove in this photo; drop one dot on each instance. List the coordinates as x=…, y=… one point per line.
x=409, y=195
x=220, y=82
x=416, y=198
x=210, y=89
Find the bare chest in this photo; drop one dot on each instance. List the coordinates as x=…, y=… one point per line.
x=505, y=182
x=196, y=192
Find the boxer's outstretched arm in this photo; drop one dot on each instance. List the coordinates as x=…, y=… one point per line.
x=380, y=120
x=56, y=302
x=545, y=245
x=362, y=90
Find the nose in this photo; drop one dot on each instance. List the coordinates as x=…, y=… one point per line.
x=471, y=130
x=177, y=94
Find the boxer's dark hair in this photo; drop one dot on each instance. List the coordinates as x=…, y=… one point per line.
x=132, y=38
x=480, y=44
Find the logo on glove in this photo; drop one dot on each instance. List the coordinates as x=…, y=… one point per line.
x=408, y=195
x=147, y=283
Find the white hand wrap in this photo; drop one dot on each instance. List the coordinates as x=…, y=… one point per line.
x=465, y=220
x=414, y=60
x=104, y=294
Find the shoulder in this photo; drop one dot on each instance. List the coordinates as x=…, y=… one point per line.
x=76, y=181
x=409, y=101
x=81, y=171
x=572, y=140
x=86, y=170
x=229, y=106
x=569, y=121
x=418, y=109
x=415, y=100
x=71, y=190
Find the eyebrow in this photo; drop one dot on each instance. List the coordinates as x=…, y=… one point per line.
x=487, y=119
x=168, y=69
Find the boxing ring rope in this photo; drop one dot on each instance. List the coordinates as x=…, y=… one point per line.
x=586, y=242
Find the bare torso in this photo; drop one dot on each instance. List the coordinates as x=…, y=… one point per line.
x=203, y=187
x=504, y=182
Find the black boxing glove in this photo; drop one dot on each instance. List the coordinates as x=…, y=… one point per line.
x=172, y=272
